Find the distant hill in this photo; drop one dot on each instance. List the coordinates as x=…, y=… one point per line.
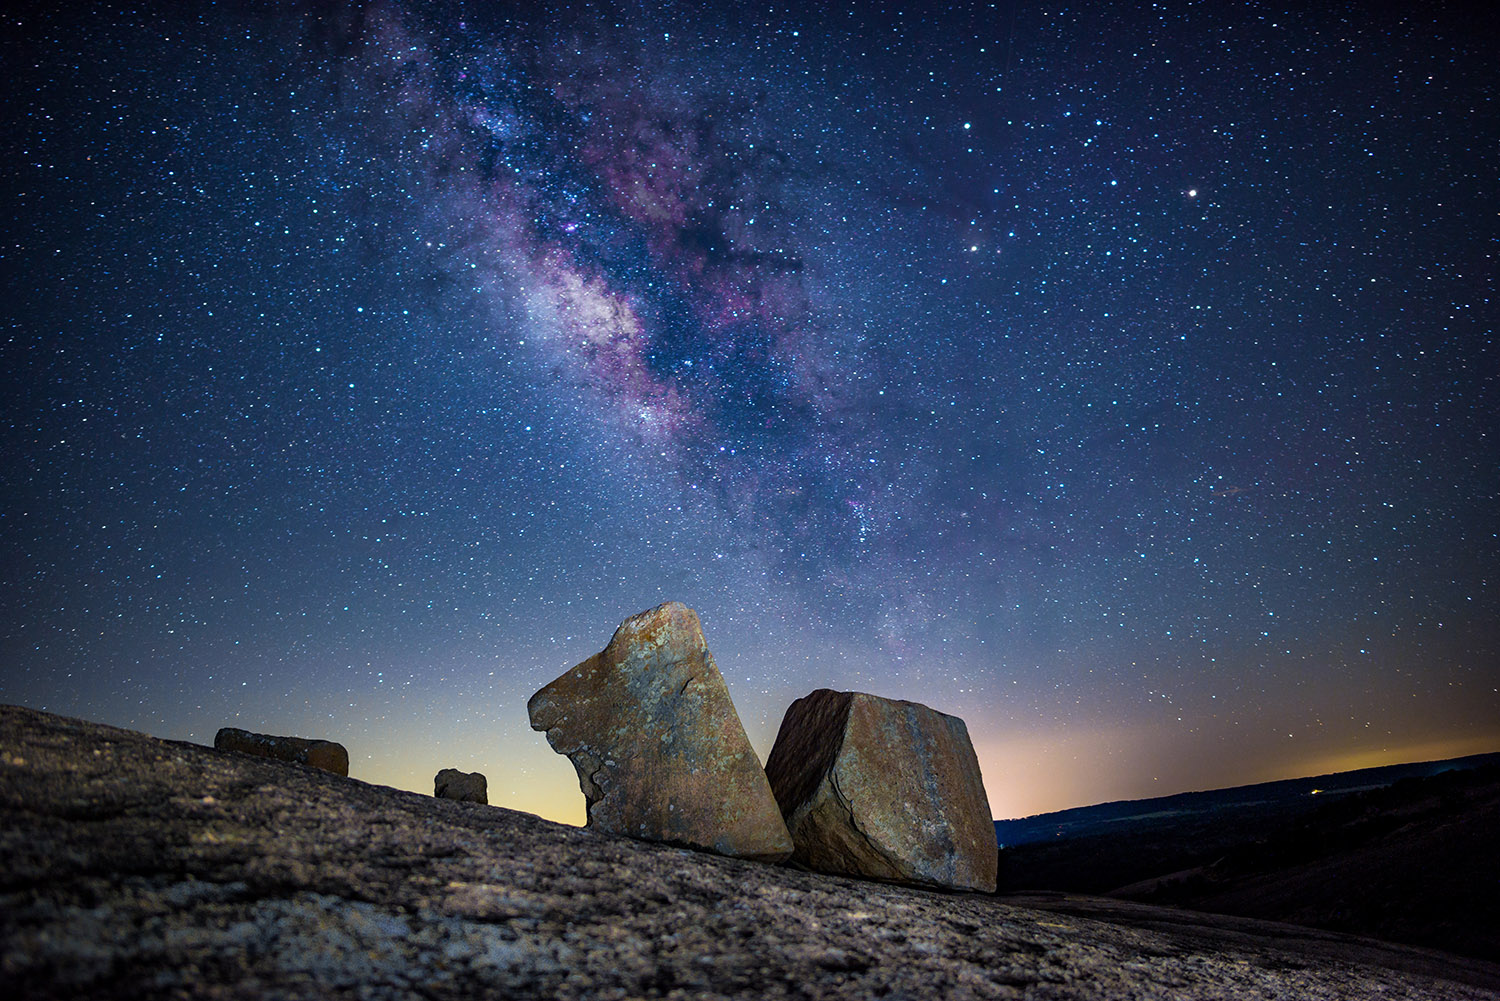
x=1404, y=853
x=1291, y=796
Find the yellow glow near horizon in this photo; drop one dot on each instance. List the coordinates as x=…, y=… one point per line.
x=1026, y=771
x=1047, y=771
x=1433, y=750
x=1024, y=775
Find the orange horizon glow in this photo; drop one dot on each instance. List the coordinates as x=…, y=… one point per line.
x=1024, y=777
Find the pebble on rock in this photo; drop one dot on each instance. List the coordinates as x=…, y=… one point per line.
x=465, y=787
x=324, y=754
x=885, y=790
x=660, y=751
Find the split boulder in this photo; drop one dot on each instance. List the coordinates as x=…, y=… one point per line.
x=465, y=787
x=324, y=754
x=885, y=790
x=661, y=754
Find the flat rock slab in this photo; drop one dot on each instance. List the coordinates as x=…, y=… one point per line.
x=463, y=787
x=325, y=754
x=660, y=752
x=883, y=789
x=138, y=868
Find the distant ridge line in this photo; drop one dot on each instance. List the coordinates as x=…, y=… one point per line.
x=1076, y=820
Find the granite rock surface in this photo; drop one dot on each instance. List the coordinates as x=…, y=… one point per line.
x=660, y=752
x=464, y=787
x=144, y=868
x=883, y=789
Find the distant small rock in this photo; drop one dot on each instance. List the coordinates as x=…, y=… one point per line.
x=465, y=787
x=660, y=752
x=324, y=754
x=883, y=789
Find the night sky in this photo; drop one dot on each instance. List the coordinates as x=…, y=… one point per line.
x=1124, y=383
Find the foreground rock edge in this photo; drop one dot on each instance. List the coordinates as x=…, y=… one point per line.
x=148, y=866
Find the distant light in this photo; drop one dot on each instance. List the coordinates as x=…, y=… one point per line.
x=966, y=126
x=1192, y=192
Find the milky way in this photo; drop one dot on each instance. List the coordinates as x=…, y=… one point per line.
x=1123, y=383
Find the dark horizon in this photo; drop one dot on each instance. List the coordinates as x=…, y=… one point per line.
x=1388, y=774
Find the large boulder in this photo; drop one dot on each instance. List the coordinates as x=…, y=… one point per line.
x=660, y=752
x=465, y=787
x=324, y=754
x=883, y=789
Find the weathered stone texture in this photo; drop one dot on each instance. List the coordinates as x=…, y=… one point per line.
x=660, y=752
x=883, y=789
x=324, y=754
x=464, y=787
x=143, y=868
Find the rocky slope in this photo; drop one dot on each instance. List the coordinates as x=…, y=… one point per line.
x=137, y=867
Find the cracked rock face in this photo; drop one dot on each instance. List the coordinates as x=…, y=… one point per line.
x=660, y=752
x=883, y=789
